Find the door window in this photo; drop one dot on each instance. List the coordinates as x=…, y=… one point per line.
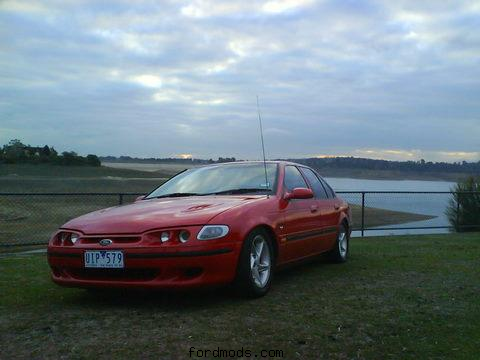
x=315, y=183
x=293, y=178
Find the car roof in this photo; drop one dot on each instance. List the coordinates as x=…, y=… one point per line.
x=240, y=162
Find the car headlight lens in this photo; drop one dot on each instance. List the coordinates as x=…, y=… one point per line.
x=74, y=238
x=67, y=238
x=64, y=237
x=210, y=232
x=165, y=236
x=183, y=236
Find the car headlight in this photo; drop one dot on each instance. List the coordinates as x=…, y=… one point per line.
x=64, y=237
x=74, y=238
x=210, y=232
x=164, y=236
x=67, y=238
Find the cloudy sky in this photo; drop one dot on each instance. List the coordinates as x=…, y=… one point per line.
x=381, y=79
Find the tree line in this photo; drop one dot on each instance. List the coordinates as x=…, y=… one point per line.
x=15, y=152
x=329, y=163
x=152, y=160
x=408, y=166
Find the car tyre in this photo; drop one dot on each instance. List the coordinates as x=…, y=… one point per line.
x=339, y=253
x=256, y=264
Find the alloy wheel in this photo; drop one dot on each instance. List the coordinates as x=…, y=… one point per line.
x=342, y=243
x=260, y=261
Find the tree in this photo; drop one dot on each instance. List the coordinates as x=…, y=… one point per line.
x=14, y=151
x=463, y=210
x=93, y=160
x=70, y=158
x=46, y=151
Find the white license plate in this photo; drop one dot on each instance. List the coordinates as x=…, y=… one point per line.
x=103, y=259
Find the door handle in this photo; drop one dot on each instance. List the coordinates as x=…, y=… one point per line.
x=313, y=208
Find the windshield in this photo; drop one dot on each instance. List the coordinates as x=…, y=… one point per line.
x=226, y=179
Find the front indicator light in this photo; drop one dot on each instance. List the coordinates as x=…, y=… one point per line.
x=164, y=236
x=210, y=232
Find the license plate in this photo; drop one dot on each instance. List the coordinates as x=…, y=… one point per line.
x=104, y=259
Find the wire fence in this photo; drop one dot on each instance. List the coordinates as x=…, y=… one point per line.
x=30, y=219
x=412, y=212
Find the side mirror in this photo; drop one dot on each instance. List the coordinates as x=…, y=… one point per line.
x=299, y=193
x=138, y=198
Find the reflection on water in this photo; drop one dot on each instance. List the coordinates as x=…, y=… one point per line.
x=427, y=204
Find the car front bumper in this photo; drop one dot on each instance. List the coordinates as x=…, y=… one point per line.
x=148, y=267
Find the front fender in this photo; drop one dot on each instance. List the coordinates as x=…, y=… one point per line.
x=242, y=220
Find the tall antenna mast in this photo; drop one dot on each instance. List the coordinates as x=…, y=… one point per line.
x=263, y=144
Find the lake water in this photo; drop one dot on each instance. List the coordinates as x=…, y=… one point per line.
x=427, y=204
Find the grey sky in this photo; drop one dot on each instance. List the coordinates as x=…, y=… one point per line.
x=382, y=79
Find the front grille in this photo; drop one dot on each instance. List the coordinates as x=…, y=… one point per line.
x=113, y=274
x=115, y=239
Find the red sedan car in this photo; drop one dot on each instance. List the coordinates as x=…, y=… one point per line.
x=211, y=225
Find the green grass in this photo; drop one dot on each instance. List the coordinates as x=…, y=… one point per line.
x=52, y=178
x=47, y=170
x=410, y=297
x=381, y=217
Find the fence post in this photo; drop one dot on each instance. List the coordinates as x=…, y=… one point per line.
x=457, y=224
x=363, y=212
x=120, y=199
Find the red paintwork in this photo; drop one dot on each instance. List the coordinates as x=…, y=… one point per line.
x=301, y=226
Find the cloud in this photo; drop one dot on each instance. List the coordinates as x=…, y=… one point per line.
x=147, y=80
x=367, y=78
x=412, y=154
x=279, y=6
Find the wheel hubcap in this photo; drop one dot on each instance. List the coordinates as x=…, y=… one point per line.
x=342, y=243
x=260, y=261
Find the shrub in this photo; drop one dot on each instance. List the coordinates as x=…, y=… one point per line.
x=463, y=210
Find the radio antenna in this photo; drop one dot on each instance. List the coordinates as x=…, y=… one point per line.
x=263, y=144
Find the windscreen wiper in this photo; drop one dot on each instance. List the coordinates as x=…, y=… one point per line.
x=240, y=191
x=178, y=194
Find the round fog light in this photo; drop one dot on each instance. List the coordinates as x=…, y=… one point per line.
x=165, y=236
x=183, y=236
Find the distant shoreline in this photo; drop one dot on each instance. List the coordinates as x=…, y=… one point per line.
x=133, y=170
x=367, y=174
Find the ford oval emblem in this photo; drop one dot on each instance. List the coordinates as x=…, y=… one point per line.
x=105, y=242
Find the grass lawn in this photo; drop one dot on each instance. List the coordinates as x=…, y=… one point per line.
x=381, y=217
x=48, y=170
x=53, y=179
x=397, y=297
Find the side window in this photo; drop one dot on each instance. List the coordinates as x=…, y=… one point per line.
x=327, y=187
x=293, y=178
x=317, y=186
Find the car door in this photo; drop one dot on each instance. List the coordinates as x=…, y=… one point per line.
x=331, y=213
x=301, y=219
x=327, y=222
